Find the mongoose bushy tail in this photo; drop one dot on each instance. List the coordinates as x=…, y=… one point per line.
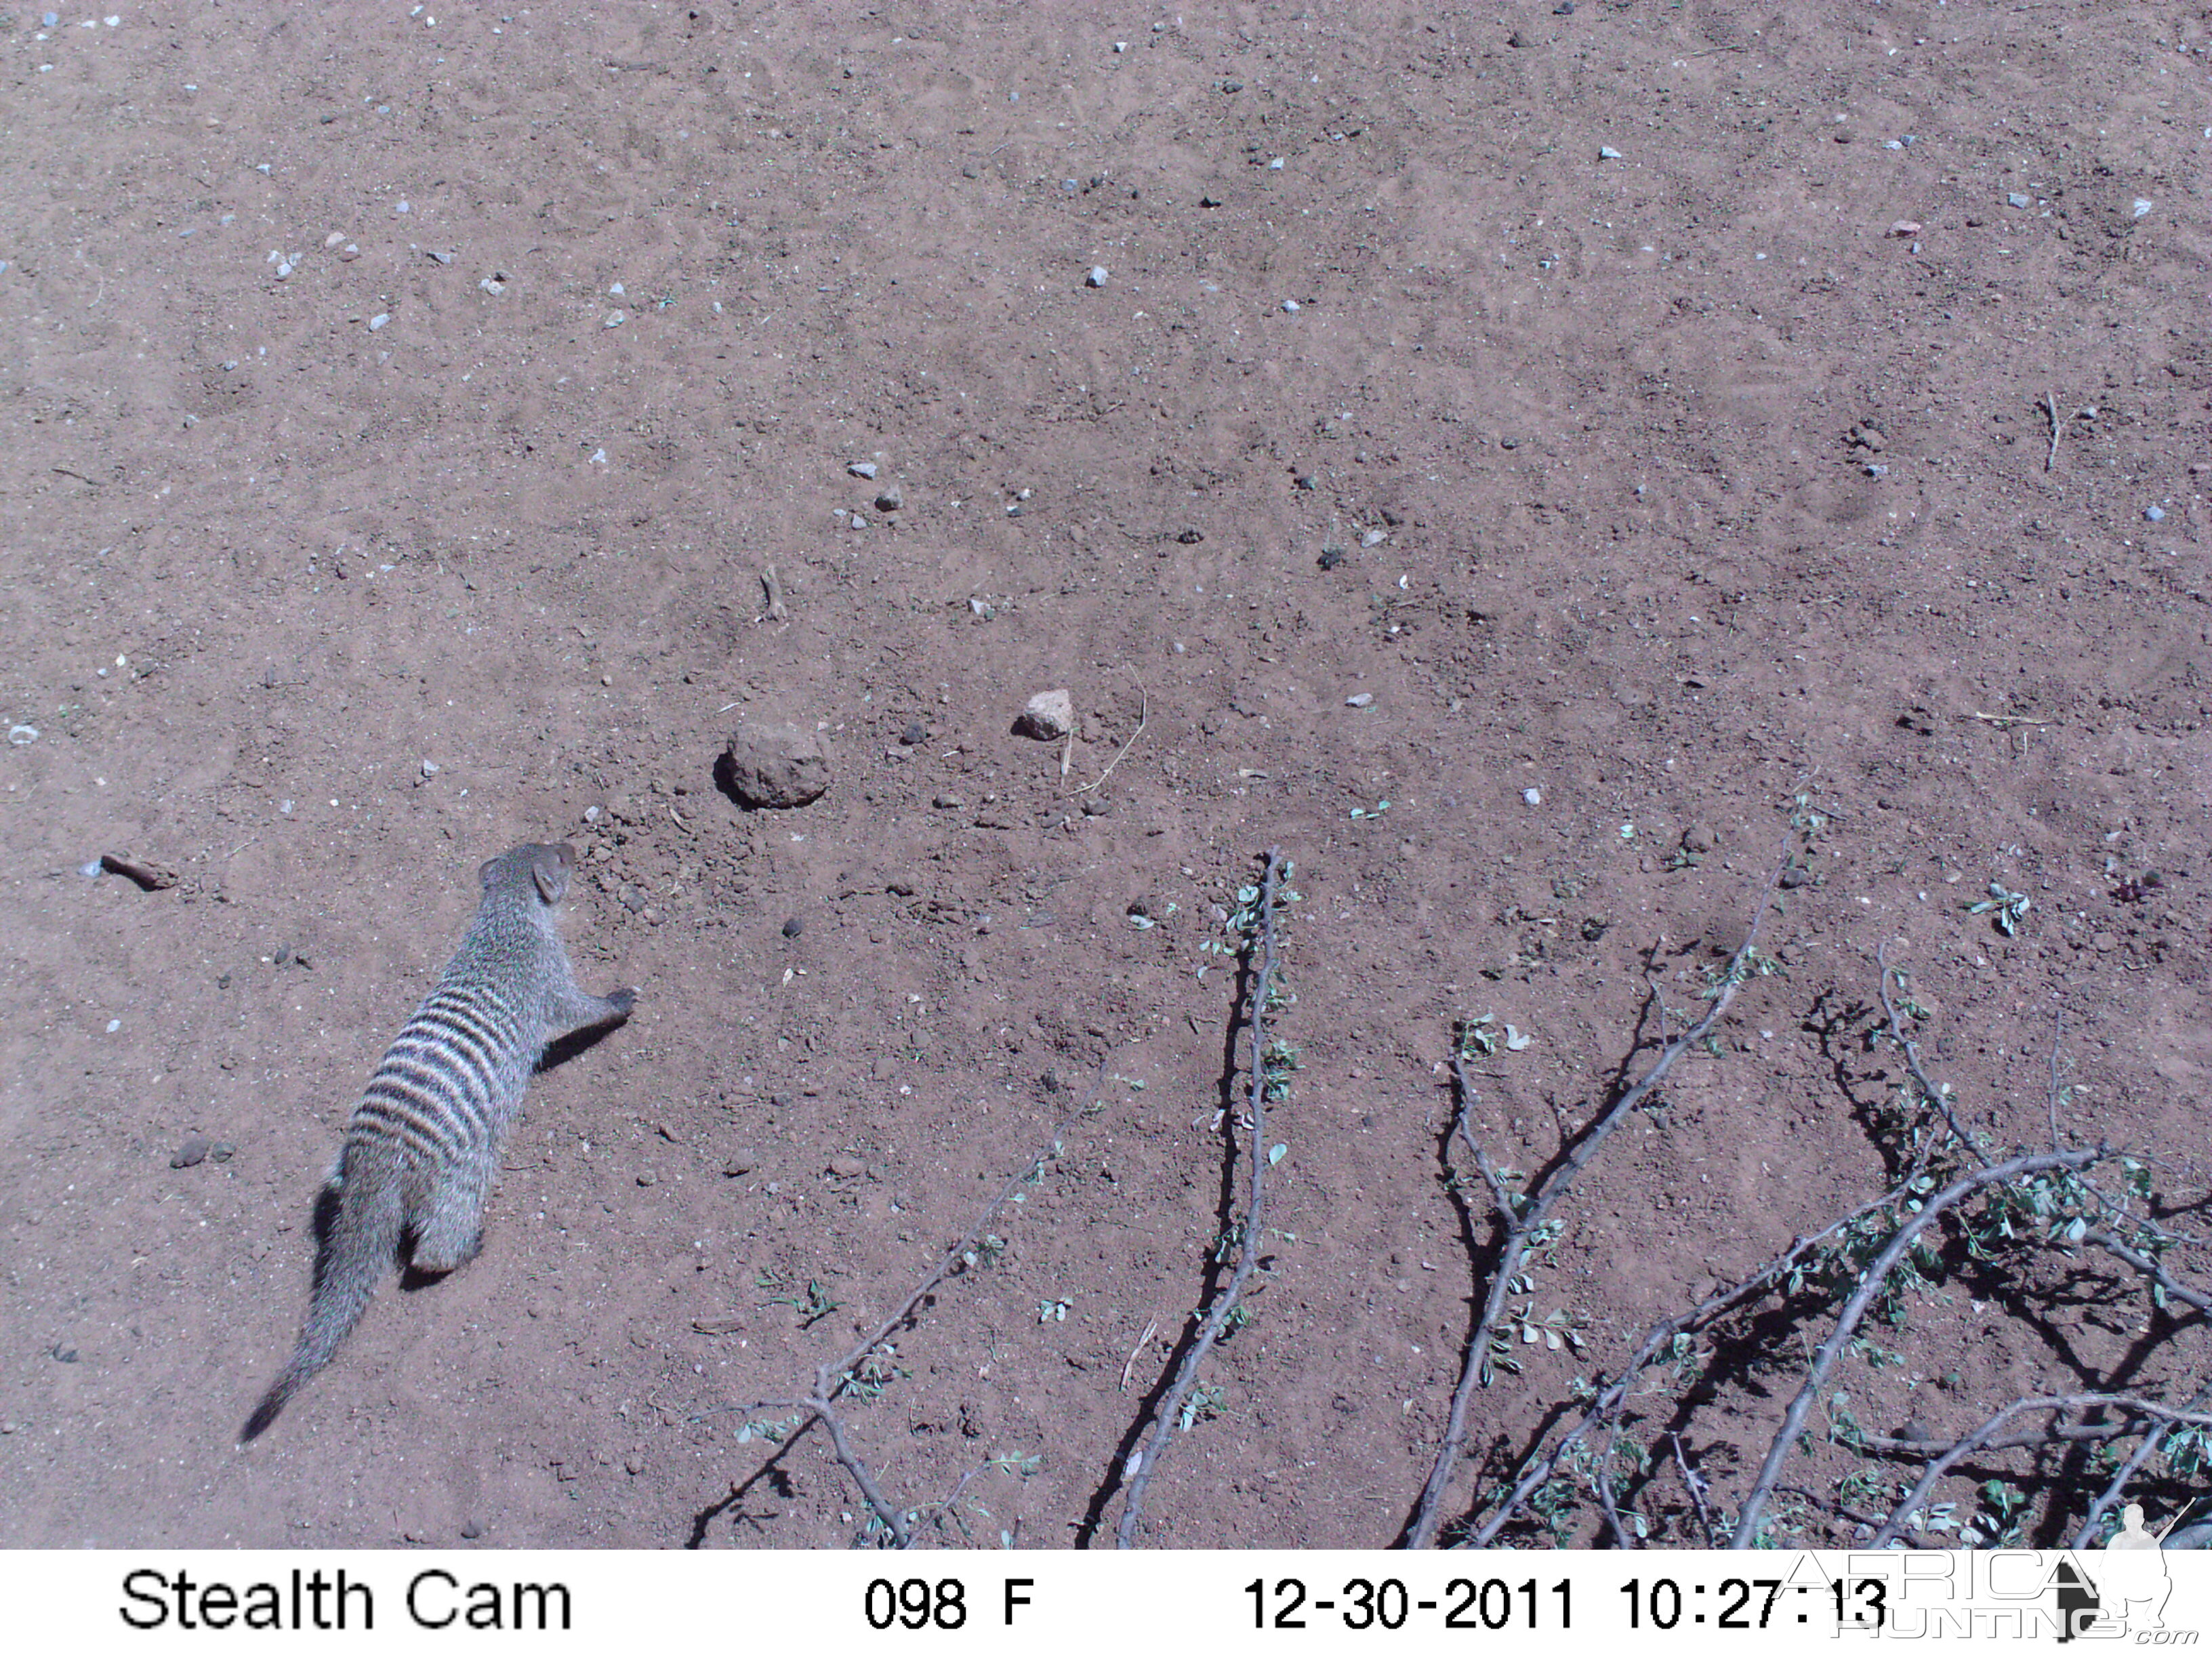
x=421, y=1146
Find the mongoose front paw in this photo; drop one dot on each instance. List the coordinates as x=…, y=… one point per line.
x=623, y=1001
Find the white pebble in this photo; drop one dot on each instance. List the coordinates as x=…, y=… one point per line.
x=1533, y=797
x=1275, y=166
x=2142, y=205
x=617, y=290
x=861, y=469
x=379, y=320
x=19, y=735
x=1359, y=700
x=1289, y=305
x=1097, y=278
x=492, y=285
x=1607, y=153
x=1373, y=537
x=334, y=238
x=113, y=1026
x=614, y=319
x=400, y=208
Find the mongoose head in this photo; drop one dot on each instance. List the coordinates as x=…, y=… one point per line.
x=544, y=866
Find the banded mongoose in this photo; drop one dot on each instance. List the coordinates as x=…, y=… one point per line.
x=420, y=1147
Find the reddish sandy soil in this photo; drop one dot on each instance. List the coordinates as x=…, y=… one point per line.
x=1475, y=403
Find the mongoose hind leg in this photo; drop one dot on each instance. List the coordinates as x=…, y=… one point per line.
x=450, y=1231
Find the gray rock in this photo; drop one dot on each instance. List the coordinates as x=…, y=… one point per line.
x=862, y=469
x=889, y=498
x=194, y=1151
x=2015, y=199
x=1097, y=278
x=776, y=764
x=1048, y=714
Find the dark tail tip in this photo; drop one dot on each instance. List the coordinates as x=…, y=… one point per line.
x=264, y=1413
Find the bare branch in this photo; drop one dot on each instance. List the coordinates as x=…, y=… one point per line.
x=1517, y=1222
x=1936, y=1095
x=1185, y=1379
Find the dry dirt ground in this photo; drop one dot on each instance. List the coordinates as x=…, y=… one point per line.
x=1524, y=418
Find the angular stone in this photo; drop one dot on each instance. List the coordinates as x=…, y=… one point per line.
x=776, y=764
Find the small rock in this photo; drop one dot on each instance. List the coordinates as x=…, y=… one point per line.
x=349, y=252
x=948, y=803
x=1699, y=838
x=66, y=1354
x=193, y=1151
x=1373, y=537
x=1519, y=41
x=915, y=733
x=429, y=768
x=1607, y=153
x=774, y=764
x=1330, y=558
x=472, y=1528
x=2142, y=205
x=379, y=320
x=793, y=926
x=1048, y=714
x=2153, y=513
x=647, y=1177
x=2013, y=198
x=1905, y=228
x=2103, y=941
x=740, y=1164
x=889, y=498
x=862, y=469
x=223, y=1151
x=1533, y=797
x=1289, y=305
x=334, y=238
x=1359, y=700
x=846, y=1169
x=1097, y=278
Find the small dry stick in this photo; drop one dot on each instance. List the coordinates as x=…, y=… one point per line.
x=773, y=586
x=2069, y=1402
x=151, y=877
x=1152, y=1329
x=2002, y=721
x=1186, y=1377
x=1144, y=713
x=2050, y=408
x=1517, y=1220
x=1877, y=1274
x=1696, y=1483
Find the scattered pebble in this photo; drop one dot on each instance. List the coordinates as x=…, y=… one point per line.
x=1048, y=714
x=2142, y=206
x=739, y=1163
x=1289, y=305
x=1330, y=558
x=334, y=238
x=614, y=319
x=793, y=926
x=379, y=320
x=1905, y=228
x=1097, y=278
x=1373, y=537
x=1275, y=166
x=1533, y=797
x=889, y=498
x=349, y=252
x=647, y=1178
x=1607, y=153
x=915, y=732
x=19, y=735
x=2153, y=513
x=2013, y=198
x=194, y=1150
x=861, y=469
x=1359, y=700
x=847, y=1168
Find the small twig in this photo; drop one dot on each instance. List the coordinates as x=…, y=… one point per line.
x=1247, y=1258
x=1877, y=1273
x=2002, y=721
x=2126, y=1473
x=1601, y=1483
x=2050, y=408
x=1152, y=1329
x=1696, y=1483
x=2057, y=1035
x=1144, y=713
x=1974, y=1443
x=69, y=473
x=772, y=586
x=1935, y=1095
x=2150, y=1267
x=1517, y=1220
x=151, y=877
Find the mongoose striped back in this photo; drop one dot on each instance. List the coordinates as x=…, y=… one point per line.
x=421, y=1146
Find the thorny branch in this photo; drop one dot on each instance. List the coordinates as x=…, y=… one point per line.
x=833, y=1376
x=1171, y=1404
x=1870, y=1284
x=1518, y=1219
x=1979, y=1440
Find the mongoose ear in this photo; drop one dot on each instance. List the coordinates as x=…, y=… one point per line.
x=551, y=870
x=488, y=872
